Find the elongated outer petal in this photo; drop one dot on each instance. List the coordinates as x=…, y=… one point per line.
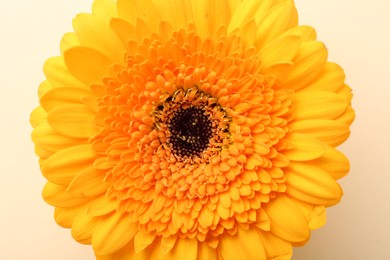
x=96, y=34
x=62, y=96
x=275, y=247
x=206, y=252
x=142, y=240
x=315, y=215
x=335, y=163
x=68, y=41
x=73, y=120
x=308, y=64
x=45, y=137
x=64, y=165
x=65, y=216
x=279, y=19
x=246, y=244
x=86, y=64
x=38, y=115
x=113, y=233
x=330, y=79
x=331, y=132
x=283, y=49
x=311, y=184
x=88, y=183
x=303, y=147
x=102, y=206
x=59, y=75
x=57, y=196
x=185, y=249
x=139, y=9
x=287, y=221
x=318, y=105
x=83, y=227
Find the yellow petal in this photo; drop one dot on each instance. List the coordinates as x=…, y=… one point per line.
x=315, y=215
x=44, y=87
x=308, y=64
x=38, y=115
x=246, y=11
x=279, y=19
x=283, y=49
x=167, y=243
x=88, y=183
x=123, y=30
x=330, y=79
x=331, y=132
x=73, y=120
x=62, y=96
x=69, y=40
x=318, y=105
x=113, y=233
x=64, y=165
x=303, y=147
x=206, y=252
x=44, y=136
x=287, y=221
x=83, y=227
x=57, y=196
x=275, y=247
x=246, y=244
x=102, y=206
x=66, y=216
x=96, y=34
x=304, y=32
x=86, y=64
x=59, y=75
x=185, y=249
x=139, y=9
x=142, y=240
x=104, y=9
x=311, y=184
x=335, y=163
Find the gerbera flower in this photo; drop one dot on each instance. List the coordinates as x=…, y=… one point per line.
x=201, y=129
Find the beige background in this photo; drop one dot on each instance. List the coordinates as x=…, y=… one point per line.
x=357, y=34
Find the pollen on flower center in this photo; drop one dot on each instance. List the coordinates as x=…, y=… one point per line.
x=191, y=130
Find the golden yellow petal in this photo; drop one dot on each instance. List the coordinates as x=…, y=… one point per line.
x=69, y=40
x=66, y=216
x=57, y=196
x=275, y=247
x=279, y=19
x=330, y=79
x=44, y=87
x=38, y=115
x=287, y=221
x=303, y=147
x=247, y=10
x=167, y=243
x=63, y=96
x=73, y=120
x=304, y=32
x=283, y=49
x=311, y=184
x=59, y=75
x=88, y=183
x=206, y=252
x=86, y=64
x=102, y=206
x=315, y=215
x=331, y=132
x=142, y=240
x=83, y=227
x=104, y=9
x=124, y=31
x=318, y=105
x=97, y=35
x=45, y=137
x=185, y=249
x=335, y=163
x=113, y=233
x=139, y=9
x=246, y=244
x=308, y=64
x=64, y=165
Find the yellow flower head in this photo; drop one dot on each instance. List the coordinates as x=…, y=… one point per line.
x=199, y=129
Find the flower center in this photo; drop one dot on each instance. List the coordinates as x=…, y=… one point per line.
x=190, y=132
